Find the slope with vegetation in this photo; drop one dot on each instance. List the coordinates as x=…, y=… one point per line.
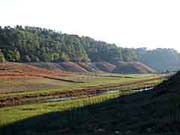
x=160, y=59
x=32, y=44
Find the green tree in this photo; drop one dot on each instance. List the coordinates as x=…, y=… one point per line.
x=2, y=59
x=13, y=55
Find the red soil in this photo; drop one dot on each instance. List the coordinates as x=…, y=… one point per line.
x=9, y=69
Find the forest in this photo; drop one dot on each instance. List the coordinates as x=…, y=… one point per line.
x=33, y=44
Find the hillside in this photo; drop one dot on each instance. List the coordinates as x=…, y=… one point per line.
x=23, y=77
x=33, y=44
x=116, y=67
x=160, y=59
x=19, y=69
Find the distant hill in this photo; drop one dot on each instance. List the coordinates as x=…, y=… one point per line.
x=132, y=67
x=33, y=44
x=160, y=59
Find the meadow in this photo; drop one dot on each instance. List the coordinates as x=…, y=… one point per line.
x=18, y=104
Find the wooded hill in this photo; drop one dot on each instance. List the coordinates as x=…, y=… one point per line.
x=32, y=44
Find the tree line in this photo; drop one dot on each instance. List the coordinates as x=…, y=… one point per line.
x=33, y=44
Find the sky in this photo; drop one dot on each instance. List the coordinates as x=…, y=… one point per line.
x=127, y=23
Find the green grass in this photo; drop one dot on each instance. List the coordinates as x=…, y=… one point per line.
x=13, y=114
x=89, y=81
x=139, y=114
x=9, y=114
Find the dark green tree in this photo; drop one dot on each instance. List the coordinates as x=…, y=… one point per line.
x=2, y=59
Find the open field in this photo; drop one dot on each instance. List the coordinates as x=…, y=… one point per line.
x=25, y=94
x=85, y=93
x=79, y=85
x=121, y=112
x=24, y=85
x=16, y=113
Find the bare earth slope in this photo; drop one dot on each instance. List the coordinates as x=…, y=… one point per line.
x=19, y=77
x=19, y=69
x=117, y=67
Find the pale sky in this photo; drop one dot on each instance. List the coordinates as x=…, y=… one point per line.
x=127, y=23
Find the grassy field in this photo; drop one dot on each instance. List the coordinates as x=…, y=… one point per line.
x=12, y=114
x=34, y=85
x=82, y=85
x=38, y=85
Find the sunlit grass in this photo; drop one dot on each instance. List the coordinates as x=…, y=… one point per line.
x=12, y=114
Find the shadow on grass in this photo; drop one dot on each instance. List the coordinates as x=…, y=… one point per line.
x=135, y=114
